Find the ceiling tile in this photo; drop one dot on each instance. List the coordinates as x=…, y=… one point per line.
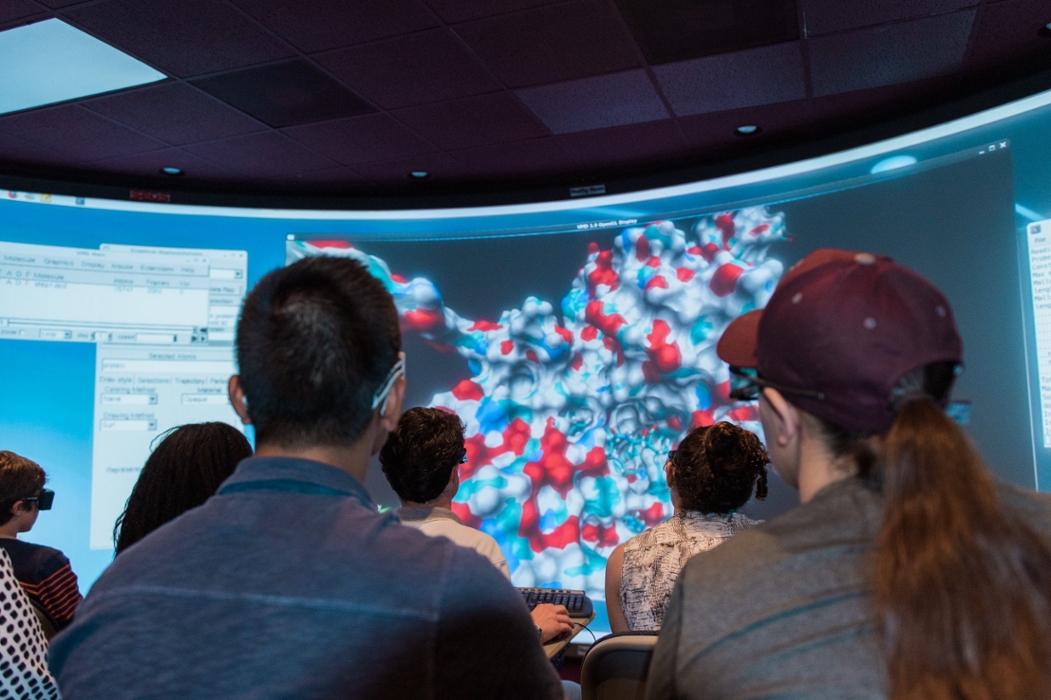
x=624, y=145
x=176, y=113
x=453, y=11
x=12, y=10
x=285, y=94
x=473, y=121
x=150, y=164
x=825, y=16
x=551, y=44
x=79, y=134
x=361, y=139
x=521, y=157
x=718, y=130
x=424, y=67
x=18, y=150
x=183, y=38
x=894, y=53
x=595, y=103
x=743, y=79
x=327, y=24
x=678, y=30
x=267, y=154
x=59, y=4
x=1006, y=31
x=441, y=166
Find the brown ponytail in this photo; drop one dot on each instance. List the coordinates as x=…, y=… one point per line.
x=962, y=587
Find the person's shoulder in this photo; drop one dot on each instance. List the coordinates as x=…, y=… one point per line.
x=1031, y=506
x=40, y=557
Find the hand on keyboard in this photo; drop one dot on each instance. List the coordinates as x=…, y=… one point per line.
x=553, y=621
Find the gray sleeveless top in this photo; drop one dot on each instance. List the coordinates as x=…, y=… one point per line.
x=653, y=559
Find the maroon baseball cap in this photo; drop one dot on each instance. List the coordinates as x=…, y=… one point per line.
x=846, y=326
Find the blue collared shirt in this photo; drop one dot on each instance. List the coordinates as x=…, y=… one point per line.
x=288, y=584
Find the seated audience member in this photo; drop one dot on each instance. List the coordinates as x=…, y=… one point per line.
x=907, y=572
x=183, y=471
x=44, y=572
x=23, y=649
x=712, y=473
x=288, y=583
x=420, y=460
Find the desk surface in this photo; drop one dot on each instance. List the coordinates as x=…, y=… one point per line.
x=553, y=647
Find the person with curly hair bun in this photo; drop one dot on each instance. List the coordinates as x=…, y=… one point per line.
x=714, y=472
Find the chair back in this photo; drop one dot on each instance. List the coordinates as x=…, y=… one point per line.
x=46, y=623
x=616, y=667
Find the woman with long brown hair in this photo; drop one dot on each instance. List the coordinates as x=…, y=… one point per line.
x=907, y=572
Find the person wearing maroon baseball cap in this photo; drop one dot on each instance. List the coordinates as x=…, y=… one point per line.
x=907, y=572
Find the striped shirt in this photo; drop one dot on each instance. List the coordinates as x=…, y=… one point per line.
x=46, y=576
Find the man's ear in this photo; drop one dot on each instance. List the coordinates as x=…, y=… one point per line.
x=669, y=473
x=395, y=399
x=237, y=399
x=787, y=419
x=19, y=508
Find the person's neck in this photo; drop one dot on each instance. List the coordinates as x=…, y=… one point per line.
x=446, y=503
x=9, y=531
x=819, y=469
x=353, y=459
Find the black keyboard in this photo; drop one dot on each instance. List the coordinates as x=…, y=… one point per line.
x=576, y=602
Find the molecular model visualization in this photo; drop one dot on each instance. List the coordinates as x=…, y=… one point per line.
x=572, y=408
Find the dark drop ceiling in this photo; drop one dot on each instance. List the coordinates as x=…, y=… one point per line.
x=349, y=97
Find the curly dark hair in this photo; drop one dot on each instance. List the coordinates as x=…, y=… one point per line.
x=183, y=471
x=19, y=478
x=717, y=467
x=419, y=456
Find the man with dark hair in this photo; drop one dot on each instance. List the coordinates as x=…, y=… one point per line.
x=44, y=572
x=420, y=460
x=288, y=583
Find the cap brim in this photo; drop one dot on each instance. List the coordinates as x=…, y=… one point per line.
x=737, y=345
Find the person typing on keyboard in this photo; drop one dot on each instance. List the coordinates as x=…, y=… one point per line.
x=420, y=460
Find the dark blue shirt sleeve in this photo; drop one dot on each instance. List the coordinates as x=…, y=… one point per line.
x=487, y=645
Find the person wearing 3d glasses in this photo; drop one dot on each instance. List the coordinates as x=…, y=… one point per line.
x=906, y=572
x=44, y=572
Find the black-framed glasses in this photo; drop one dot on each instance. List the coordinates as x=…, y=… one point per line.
x=44, y=500
x=745, y=385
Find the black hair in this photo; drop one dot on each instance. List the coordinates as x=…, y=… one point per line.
x=717, y=467
x=420, y=454
x=183, y=471
x=315, y=342
x=19, y=478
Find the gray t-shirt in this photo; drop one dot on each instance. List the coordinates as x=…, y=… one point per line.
x=289, y=584
x=784, y=610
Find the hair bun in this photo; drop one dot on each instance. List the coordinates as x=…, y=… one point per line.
x=725, y=443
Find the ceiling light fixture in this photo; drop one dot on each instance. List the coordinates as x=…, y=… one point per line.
x=747, y=130
x=50, y=61
x=419, y=174
x=173, y=172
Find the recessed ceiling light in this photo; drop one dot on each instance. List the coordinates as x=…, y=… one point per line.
x=747, y=130
x=419, y=174
x=174, y=172
x=50, y=62
x=1045, y=31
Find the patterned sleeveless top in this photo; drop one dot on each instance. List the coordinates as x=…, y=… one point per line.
x=653, y=559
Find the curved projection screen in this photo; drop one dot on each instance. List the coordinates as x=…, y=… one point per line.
x=575, y=339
